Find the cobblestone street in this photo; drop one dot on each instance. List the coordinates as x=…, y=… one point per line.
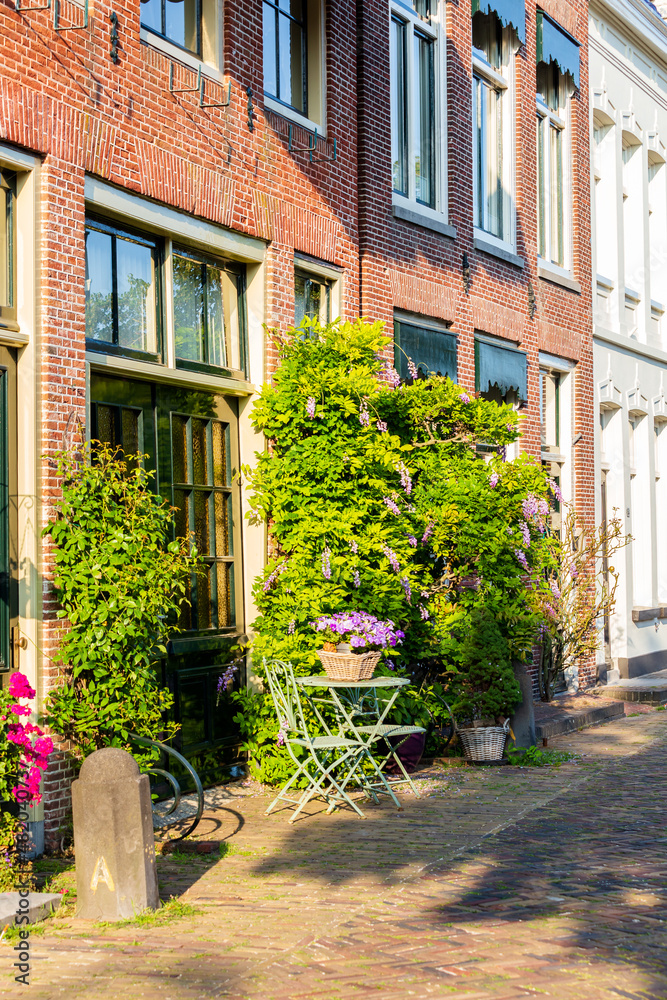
x=500, y=883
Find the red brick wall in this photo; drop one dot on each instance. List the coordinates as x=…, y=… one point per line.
x=62, y=97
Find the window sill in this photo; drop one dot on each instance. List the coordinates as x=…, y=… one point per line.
x=495, y=250
x=293, y=116
x=648, y=614
x=558, y=275
x=179, y=55
x=130, y=368
x=421, y=216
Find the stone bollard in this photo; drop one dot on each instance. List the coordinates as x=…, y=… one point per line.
x=116, y=876
x=523, y=719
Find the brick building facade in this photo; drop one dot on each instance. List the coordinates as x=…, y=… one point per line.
x=180, y=173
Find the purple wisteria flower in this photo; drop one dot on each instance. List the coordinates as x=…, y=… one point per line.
x=391, y=505
x=270, y=580
x=364, y=415
x=381, y=426
x=353, y=546
x=521, y=556
x=412, y=541
x=291, y=627
x=494, y=479
x=360, y=629
x=502, y=451
x=555, y=489
x=407, y=590
x=412, y=369
x=429, y=531
x=226, y=679
x=510, y=427
x=573, y=571
x=525, y=531
x=424, y=613
x=555, y=589
x=464, y=397
x=326, y=563
x=281, y=736
x=392, y=557
x=392, y=376
x=310, y=406
x=357, y=579
x=406, y=481
x=425, y=593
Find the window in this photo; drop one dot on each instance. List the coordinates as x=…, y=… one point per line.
x=417, y=107
x=293, y=62
x=432, y=350
x=657, y=231
x=501, y=372
x=493, y=49
x=312, y=298
x=207, y=324
x=179, y=21
x=7, y=245
x=557, y=55
x=121, y=289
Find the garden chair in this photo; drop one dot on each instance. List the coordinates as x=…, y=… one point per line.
x=330, y=762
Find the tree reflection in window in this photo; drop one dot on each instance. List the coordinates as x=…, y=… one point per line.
x=207, y=323
x=120, y=289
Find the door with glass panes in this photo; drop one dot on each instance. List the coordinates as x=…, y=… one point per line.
x=190, y=439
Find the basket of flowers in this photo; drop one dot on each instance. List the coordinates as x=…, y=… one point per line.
x=353, y=644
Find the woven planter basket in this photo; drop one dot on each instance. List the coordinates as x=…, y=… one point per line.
x=349, y=666
x=484, y=743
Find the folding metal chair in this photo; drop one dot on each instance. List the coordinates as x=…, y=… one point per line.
x=330, y=762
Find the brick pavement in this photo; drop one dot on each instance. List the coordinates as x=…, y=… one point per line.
x=504, y=883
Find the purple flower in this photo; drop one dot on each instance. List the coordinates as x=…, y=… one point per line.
x=291, y=627
x=391, y=505
x=270, y=580
x=226, y=680
x=392, y=557
x=521, y=556
x=525, y=531
x=282, y=732
x=362, y=629
x=425, y=593
x=392, y=376
x=406, y=481
x=413, y=541
x=424, y=613
x=574, y=573
x=364, y=415
x=381, y=426
x=502, y=451
x=412, y=369
x=310, y=406
x=529, y=506
x=357, y=579
x=405, y=584
x=555, y=489
x=494, y=479
x=510, y=427
x=464, y=397
x=429, y=531
x=353, y=546
x=326, y=563
x=555, y=590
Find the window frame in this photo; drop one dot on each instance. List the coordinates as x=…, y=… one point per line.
x=315, y=64
x=435, y=30
x=303, y=25
x=319, y=279
x=147, y=239
x=503, y=81
x=9, y=311
x=197, y=53
x=426, y=324
x=546, y=119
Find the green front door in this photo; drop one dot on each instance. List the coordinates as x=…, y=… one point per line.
x=190, y=439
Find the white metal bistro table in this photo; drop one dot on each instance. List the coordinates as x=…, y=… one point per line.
x=355, y=701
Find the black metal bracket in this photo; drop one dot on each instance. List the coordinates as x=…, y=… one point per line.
x=113, y=34
x=311, y=147
x=183, y=90
x=214, y=104
x=251, y=110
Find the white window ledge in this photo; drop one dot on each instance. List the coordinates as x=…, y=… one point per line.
x=558, y=275
x=161, y=373
x=174, y=52
x=420, y=215
x=293, y=116
x=497, y=248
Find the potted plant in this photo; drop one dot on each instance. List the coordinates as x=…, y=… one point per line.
x=486, y=687
x=353, y=643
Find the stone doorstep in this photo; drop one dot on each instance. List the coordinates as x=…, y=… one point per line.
x=42, y=904
x=570, y=723
x=188, y=846
x=650, y=696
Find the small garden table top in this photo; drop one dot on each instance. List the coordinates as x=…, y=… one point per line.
x=321, y=680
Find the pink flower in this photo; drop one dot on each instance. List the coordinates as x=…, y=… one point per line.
x=19, y=687
x=310, y=407
x=494, y=479
x=381, y=426
x=464, y=397
x=412, y=369
x=19, y=709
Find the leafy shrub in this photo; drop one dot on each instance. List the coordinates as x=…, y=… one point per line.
x=120, y=580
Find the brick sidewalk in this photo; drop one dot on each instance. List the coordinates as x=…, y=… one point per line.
x=504, y=883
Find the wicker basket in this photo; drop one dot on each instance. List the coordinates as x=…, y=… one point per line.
x=484, y=743
x=349, y=666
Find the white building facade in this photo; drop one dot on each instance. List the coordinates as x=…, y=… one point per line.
x=628, y=87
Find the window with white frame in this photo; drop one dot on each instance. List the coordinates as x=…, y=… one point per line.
x=417, y=53
x=657, y=233
x=494, y=44
x=553, y=185
x=312, y=297
x=293, y=56
x=179, y=21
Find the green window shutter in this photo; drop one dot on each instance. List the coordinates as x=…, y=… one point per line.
x=505, y=367
x=555, y=45
x=433, y=351
x=508, y=12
